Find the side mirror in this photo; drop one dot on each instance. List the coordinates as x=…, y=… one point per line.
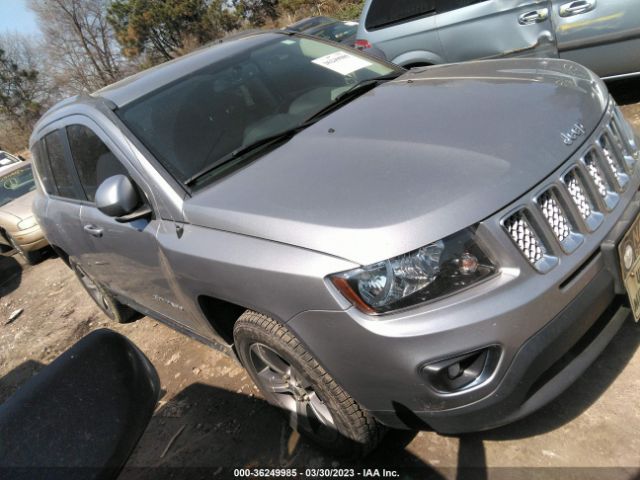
x=116, y=196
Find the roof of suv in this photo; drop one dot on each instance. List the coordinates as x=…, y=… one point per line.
x=138, y=85
x=131, y=88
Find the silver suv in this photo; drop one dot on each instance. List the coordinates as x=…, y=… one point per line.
x=378, y=247
x=603, y=35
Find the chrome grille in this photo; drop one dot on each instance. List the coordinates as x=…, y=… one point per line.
x=578, y=194
x=596, y=174
x=554, y=223
x=524, y=237
x=608, y=151
x=555, y=216
x=616, y=132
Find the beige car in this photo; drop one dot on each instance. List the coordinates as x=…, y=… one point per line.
x=18, y=227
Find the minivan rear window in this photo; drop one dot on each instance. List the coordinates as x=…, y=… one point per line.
x=383, y=13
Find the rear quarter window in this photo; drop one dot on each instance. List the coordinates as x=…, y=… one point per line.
x=384, y=13
x=59, y=169
x=42, y=167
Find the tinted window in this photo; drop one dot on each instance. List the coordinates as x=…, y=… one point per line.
x=6, y=159
x=42, y=166
x=336, y=31
x=448, y=5
x=15, y=184
x=93, y=159
x=388, y=12
x=200, y=118
x=59, y=170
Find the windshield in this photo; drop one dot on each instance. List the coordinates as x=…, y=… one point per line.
x=16, y=184
x=6, y=159
x=209, y=114
x=338, y=32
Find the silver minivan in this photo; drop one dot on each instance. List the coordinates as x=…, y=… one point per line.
x=603, y=35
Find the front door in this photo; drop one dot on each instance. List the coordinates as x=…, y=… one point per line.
x=124, y=257
x=603, y=35
x=474, y=29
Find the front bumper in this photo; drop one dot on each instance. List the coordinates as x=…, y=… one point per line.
x=30, y=239
x=547, y=327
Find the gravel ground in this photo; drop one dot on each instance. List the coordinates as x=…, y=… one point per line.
x=227, y=424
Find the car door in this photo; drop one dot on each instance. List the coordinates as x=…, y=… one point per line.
x=603, y=35
x=405, y=31
x=60, y=208
x=473, y=29
x=124, y=257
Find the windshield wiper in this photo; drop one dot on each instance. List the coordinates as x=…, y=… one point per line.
x=252, y=147
x=356, y=90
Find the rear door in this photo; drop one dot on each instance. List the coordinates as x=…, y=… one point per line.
x=603, y=35
x=60, y=209
x=473, y=29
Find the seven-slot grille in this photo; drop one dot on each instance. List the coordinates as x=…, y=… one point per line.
x=555, y=216
x=577, y=199
x=525, y=237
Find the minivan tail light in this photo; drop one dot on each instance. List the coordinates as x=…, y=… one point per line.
x=362, y=44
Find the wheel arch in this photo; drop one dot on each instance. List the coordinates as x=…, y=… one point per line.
x=221, y=315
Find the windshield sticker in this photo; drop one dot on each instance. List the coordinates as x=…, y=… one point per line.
x=288, y=42
x=342, y=62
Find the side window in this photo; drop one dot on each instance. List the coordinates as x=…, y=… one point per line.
x=93, y=159
x=448, y=5
x=59, y=171
x=42, y=167
x=389, y=12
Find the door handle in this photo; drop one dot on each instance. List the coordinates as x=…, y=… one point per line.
x=576, y=8
x=93, y=230
x=536, y=16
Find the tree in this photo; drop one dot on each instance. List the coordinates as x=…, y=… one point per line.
x=256, y=12
x=346, y=10
x=158, y=28
x=80, y=43
x=24, y=91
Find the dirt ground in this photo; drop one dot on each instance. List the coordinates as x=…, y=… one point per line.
x=595, y=425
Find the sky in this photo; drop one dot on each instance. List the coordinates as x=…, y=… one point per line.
x=15, y=16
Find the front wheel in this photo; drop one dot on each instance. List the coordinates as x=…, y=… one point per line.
x=292, y=380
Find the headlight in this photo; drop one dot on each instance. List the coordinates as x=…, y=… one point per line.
x=27, y=223
x=436, y=270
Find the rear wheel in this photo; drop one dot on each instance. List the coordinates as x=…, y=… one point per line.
x=292, y=380
x=111, y=307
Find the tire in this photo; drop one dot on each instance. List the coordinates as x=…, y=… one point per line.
x=317, y=407
x=111, y=307
x=31, y=258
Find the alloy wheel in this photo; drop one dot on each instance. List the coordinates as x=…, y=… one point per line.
x=291, y=391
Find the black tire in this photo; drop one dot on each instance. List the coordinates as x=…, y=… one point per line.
x=350, y=431
x=111, y=307
x=31, y=258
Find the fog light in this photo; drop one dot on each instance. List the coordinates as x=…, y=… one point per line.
x=454, y=371
x=462, y=372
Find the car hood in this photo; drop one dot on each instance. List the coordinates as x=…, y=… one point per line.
x=20, y=208
x=411, y=161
